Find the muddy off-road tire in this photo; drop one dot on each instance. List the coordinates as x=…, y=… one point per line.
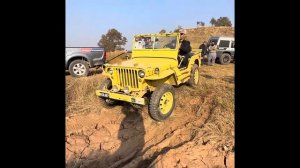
x=162, y=102
x=79, y=68
x=195, y=75
x=107, y=84
x=225, y=59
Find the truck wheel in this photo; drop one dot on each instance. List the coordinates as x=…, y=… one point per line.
x=225, y=58
x=79, y=68
x=107, y=85
x=194, y=79
x=162, y=102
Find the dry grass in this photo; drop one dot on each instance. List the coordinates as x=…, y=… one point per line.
x=118, y=59
x=80, y=94
x=217, y=87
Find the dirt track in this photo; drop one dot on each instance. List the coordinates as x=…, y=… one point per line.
x=121, y=136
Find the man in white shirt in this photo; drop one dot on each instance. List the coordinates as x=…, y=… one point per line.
x=139, y=43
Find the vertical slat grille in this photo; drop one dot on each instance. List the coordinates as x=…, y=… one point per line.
x=124, y=76
x=133, y=79
x=136, y=79
x=120, y=77
x=127, y=77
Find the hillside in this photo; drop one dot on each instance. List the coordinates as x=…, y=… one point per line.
x=198, y=35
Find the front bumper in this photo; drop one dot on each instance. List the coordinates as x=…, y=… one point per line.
x=121, y=97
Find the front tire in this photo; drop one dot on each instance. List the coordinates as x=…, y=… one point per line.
x=162, y=102
x=79, y=68
x=225, y=59
x=107, y=85
x=195, y=75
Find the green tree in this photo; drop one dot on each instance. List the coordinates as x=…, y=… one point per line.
x=223, y=21
x=213, y=21
x=163, y=31
x=177, y=29
x=200, y=23
x=112, y=40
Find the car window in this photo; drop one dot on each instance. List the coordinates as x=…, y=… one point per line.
x=232, y=44
x=224, y=43
x=215, y=40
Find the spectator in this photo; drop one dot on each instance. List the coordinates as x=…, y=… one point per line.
x=204, y=49
x=156, y=43
x=212, y=54
x=139, y=43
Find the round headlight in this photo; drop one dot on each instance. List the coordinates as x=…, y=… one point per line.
x=141, y=73
x=110, y=71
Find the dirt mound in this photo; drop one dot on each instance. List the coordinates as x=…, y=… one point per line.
x=198, y=35
x=116, y=57
x=199, y=133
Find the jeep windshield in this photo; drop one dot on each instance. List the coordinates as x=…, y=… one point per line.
x=155, y=42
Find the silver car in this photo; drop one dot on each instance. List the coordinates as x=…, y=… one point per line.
x=79, y=60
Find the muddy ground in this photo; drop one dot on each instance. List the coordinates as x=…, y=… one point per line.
x=199, y=133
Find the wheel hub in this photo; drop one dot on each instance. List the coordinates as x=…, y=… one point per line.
x=166, y=103
x=79, y=69
x=226, y=59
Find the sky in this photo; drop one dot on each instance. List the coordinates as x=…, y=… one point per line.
x=87, y=20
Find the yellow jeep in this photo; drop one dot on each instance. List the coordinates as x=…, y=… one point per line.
x=149, y=75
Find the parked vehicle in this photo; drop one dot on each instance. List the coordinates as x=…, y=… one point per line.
x=225, y=52
x=79, y=60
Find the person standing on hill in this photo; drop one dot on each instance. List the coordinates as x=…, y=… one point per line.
x=212, y=54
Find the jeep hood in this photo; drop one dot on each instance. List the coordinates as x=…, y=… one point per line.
x=146, y=64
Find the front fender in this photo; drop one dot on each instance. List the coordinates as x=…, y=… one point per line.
x=76, y=56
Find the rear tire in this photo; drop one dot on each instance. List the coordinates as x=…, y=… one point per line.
x=225, y=59
x=79, y=68
x=162, y=102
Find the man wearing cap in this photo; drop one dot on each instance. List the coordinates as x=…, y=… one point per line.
x=185, y=48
